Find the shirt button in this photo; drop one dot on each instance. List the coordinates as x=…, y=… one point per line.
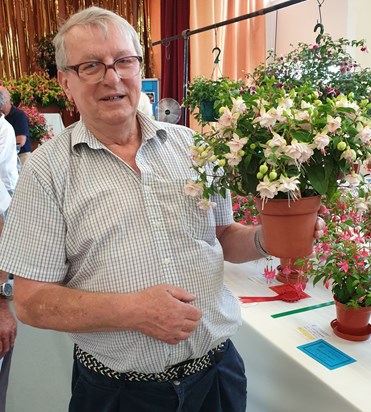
x=176, y=383
x=166, y=261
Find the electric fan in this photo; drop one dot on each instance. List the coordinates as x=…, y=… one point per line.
x=168, y=110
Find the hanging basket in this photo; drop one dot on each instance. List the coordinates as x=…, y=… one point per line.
x=208, y=113
x=288, y=227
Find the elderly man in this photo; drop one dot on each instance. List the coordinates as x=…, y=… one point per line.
x=18, y=119
x=123, y=261
x=8, y=179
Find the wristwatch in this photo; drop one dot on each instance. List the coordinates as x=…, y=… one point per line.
x=6, y=290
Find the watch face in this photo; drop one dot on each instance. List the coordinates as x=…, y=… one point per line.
x=7, y=290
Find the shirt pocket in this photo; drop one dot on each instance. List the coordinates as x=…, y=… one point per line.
x=199, y=224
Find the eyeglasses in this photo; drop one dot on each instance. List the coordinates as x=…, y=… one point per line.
x=94, y=71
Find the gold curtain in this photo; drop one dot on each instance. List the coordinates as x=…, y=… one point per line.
x=24, y=22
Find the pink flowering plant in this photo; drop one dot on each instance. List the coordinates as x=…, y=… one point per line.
x=39, y=131
x=244, y=210
x=343, y=259
x=37, y=88
x=326, y=64
x=44, y=52
x=278, y=144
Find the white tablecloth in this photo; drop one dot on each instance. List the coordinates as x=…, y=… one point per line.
x=281, y=377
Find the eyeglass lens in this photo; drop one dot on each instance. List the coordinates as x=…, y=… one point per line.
x=126, y=68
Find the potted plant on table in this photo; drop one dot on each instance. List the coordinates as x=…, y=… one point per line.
x=39, y=130
x=343, y=261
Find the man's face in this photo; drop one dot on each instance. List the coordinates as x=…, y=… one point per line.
x=112, y=101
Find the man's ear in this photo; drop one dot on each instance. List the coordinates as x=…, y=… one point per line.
x=63, y=81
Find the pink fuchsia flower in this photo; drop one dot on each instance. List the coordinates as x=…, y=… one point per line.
x=269, y=274
x=343, y=266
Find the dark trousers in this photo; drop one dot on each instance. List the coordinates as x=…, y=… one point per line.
x=4, y=378
x=219, y=388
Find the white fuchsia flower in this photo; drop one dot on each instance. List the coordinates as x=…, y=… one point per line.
x=193, y=189
x=267, y=189
x=237, y=143
x=333, y=124
x=233, y=158
x=228, y=119
x=349, y=155
x=289, y=184
x=365, y=135
x=206, y=204
x=321, y=141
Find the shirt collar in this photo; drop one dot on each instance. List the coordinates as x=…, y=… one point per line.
x=150, y=129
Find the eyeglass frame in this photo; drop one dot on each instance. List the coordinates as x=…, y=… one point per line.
x=76, y=67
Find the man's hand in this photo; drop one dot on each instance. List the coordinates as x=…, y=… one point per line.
x=164, y=313
x=8, y=328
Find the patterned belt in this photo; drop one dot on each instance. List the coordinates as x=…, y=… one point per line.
x=181, y=370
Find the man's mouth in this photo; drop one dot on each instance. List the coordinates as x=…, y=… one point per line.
x=112, y=98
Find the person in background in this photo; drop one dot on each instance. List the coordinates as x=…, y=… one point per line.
x=123, y=261
x=18, y=119
x=145, y=105
x=8, y=150
x=8, y=325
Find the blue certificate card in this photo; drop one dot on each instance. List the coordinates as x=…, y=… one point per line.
x=326, y=354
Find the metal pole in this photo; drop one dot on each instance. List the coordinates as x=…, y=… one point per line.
x=234, y=20
x=185, y=35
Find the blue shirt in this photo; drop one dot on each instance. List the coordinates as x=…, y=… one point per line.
x=18, y=119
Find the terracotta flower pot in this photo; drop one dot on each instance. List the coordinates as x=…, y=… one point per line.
x=350, y=323
x=288, y=227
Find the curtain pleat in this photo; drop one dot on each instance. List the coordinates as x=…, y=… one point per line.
x=174, y=20
x=25, y=22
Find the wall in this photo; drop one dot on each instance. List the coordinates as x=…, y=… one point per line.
x=341, y=18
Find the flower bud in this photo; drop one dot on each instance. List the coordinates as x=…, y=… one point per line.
x=273, y=175
x=259, y=176
x=341, y=146
x=221, y=162
x=263, y=169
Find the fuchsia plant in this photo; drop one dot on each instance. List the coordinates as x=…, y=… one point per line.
x=343, y=258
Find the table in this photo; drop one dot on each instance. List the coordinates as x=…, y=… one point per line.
x=281, y=377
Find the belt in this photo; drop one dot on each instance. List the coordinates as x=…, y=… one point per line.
x=181, y=370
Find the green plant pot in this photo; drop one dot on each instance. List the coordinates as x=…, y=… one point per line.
x=208, y=113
